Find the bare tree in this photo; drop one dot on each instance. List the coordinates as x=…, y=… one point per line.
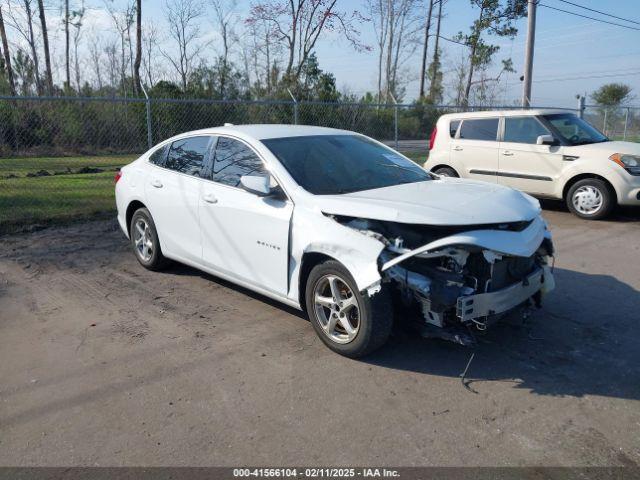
x=123, y=20
x=425, y=47
x=150, y=50
x=67, y=45
x=21, y=20
x=113, y=68
x=183, y=16
x=77, y=17
x=7, y=55
x=398, y=25
x=136, y=64
x=223, y=11
x=45, y=41
x=95, y=56
x=435, y=73
x=298, y=24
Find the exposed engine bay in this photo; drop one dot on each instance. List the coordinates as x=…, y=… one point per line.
x=452, y=280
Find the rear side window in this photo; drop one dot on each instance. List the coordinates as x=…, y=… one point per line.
x=453, y=127
x=480, y=129
x=233, y=159
x=188, y=155
x=523, y=130
x=158, y=157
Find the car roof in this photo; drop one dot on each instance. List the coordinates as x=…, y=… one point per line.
x=504, y=113
x=264, y=131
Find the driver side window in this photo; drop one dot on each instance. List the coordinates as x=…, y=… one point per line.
x=232, y=160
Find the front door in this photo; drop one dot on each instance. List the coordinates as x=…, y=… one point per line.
x=523, y=164
x=244, y=235
x=475, y=148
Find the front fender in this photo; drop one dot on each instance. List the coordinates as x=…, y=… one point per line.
x=313, y=232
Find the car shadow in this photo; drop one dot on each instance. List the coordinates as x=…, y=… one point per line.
x=582, y=342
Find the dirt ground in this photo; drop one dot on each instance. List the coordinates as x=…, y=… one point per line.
x=104, y=363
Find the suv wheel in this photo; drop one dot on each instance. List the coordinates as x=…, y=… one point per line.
x=347, y=322
x=446, y=172
x=144, y=240
x=590, y=198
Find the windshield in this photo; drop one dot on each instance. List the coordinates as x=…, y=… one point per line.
x=331, y=164
x=574, y=130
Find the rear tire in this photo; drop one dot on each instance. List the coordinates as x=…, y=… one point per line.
x=145, y=242
x=353, y=325
x=591, y=199
x=446, y=172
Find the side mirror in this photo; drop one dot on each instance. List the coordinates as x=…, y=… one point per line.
x=258, y=184
x=545, y=140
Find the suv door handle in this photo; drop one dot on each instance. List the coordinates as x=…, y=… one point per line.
x=209, y=198
x=156, y=183
x=458, y=148
x=507, y=153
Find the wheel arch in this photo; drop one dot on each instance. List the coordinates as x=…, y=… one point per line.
x=131, y=209
x=444, y=165
x=308, y=262
x=583, y=176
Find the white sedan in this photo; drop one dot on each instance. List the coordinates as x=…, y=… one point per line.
x=339, y=225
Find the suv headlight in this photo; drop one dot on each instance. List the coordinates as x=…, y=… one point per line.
x=631, y=163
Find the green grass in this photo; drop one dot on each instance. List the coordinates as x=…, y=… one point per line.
x=26, y=202
x=22, y=166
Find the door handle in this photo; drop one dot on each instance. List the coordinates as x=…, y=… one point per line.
x=507, y=154
x=458, y=149
x=209, y=198
x=156, y=183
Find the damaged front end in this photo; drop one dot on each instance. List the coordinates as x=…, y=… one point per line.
x=461, y=279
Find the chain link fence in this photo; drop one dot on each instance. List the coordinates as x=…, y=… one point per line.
x=58, y=155
x=618, y=123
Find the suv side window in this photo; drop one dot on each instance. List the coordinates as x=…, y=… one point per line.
x=479, y=129
x=453, y=127
x=159, y=156
x=523, y=130
x=188, y=155
x=233, y=159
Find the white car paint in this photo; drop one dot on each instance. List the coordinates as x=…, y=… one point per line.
x=541, y=170
x=260, y=242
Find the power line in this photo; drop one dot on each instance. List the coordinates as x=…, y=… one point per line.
x=562, y=79
x=590, y=18
x=598, y=11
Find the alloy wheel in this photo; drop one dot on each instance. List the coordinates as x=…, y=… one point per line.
x=336, y=309
x=143, y=240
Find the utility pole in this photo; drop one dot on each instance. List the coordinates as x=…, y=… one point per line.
x=425, y=46
x=528, y=60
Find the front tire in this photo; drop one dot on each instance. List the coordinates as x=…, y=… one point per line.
x=591, y=199
x=446, y=172
x=144, y=240
x=348, y=322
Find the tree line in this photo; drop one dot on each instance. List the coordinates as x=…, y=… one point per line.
x=267, y=51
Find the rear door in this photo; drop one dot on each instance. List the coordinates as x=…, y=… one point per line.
x=173, y=196
x=523, y=164
x=475, y=148
x=244, y=235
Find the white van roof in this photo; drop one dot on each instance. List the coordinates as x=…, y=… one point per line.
x=516, y=112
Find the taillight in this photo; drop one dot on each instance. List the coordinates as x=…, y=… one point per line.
x=432, y=139
x=117, y=176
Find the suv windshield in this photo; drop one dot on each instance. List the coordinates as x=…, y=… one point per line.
x=331, y=164
x=574, y=130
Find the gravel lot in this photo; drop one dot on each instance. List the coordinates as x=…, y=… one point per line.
x=104, y=363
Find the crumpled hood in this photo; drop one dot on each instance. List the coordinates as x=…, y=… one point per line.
x=449, y=201
x=604, y=149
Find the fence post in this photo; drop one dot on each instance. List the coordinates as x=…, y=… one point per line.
x=295, y=107
x=626, y=122
x=148, y=108
x=604, y=123
x=395, y=121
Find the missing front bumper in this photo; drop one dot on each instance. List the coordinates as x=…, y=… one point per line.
x=471, y=308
